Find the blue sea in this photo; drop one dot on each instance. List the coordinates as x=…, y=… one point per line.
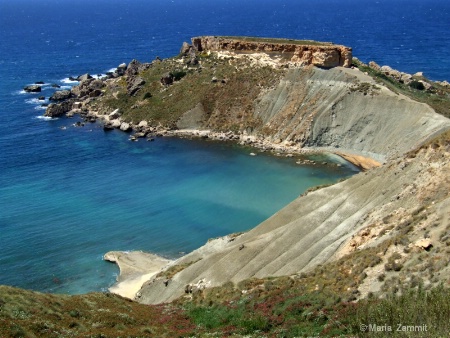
x=68, y=195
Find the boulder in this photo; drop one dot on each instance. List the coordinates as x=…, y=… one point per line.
x=406, y=78
x=167, y=79
x=84, y=77
x=140, y=134
x=41, y=98
x=426, y=85
x=60, y=95
x=374, y=65
x=116, y=123
x=86, y=87
x=54, y=85
x=58, y=109
x=108, y=126
x=443, y=83
x=424, y=243
x=143, y=124
x=135, y=67
x=77, y=105
x=95, y=93
x=32, y=89
x=134, y=85
x=185, y=48
x=386, y=70
x=121, y=69
x=124, y=126
x=115, y=114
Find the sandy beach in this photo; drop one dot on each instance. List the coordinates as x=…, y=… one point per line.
x=136, y=267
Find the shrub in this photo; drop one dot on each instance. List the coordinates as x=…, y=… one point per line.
x=178, y=75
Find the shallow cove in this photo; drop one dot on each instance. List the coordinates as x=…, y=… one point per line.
x=106, y=193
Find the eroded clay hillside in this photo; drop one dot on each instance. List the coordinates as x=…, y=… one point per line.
x=276, y=102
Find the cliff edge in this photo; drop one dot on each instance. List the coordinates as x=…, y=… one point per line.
x=320, y=54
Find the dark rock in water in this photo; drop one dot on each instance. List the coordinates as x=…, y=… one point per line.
x=140, y=134
x=54, y=85
x=108, y=126
x=71, y=78
x=41, y=98
x=84, y=77
x=39, y=82
x=61, y=95
x=58, y=109
x=32, y=89
x=167, y=79
x=44, y=105
x=134, y=85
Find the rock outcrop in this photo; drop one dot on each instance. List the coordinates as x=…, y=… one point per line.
x=32, y=88
x=58, y=109
x=320, y=54
x=61, y=95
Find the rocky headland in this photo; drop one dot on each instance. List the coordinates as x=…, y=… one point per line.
x=382, y=231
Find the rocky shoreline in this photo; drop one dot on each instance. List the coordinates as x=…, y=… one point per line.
x=76, y=102
x=82, y=100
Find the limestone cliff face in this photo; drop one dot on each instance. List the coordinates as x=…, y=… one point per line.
x=307, y=53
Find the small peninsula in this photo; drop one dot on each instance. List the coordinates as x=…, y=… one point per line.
x=336, y=254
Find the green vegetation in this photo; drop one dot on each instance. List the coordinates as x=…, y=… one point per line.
x=273, y=308
x=437, y=97
x=365, y=88
x=230, y=98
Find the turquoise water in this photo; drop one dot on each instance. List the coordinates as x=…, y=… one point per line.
x=67, y=196
x=83, y=192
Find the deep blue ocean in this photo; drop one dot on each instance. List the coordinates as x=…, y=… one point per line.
x=68, y=195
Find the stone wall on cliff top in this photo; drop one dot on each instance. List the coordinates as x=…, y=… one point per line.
x=308, y=52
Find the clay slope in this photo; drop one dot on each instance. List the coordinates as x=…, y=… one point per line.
x=323, y=109
x=344, y=110
x=309, y=231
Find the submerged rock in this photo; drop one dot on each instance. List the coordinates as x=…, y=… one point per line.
x=32, y=89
